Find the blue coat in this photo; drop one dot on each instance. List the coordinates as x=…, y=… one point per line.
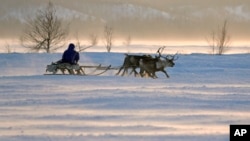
x=70, y=55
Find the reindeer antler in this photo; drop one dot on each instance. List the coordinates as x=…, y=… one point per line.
x=160, y=50
x=172, y=57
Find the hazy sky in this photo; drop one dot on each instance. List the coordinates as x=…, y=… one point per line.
x=151, y=20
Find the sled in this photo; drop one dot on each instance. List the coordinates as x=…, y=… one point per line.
x=75, y=69
x=95, y=70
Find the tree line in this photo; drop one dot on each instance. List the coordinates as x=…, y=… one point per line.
x=47, y=33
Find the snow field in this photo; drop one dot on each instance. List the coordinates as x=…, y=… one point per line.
x=202, y=97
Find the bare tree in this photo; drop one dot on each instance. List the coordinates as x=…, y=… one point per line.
x=45, y=32
x=127, y=41
x=211, y=41
x=92, y=40
x=108, y=37
x=220, y=41
x=224, y=39
x=8, y=48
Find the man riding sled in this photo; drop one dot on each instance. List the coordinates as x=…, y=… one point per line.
x=68, y=62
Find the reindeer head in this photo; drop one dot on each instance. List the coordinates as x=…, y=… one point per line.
x=169, y=58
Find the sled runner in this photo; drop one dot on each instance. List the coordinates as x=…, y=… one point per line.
x=75, y=69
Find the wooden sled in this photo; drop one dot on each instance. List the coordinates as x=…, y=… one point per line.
x=76, y=69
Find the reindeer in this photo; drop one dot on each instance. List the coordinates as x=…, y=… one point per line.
x=131, y=61
x=151, y=66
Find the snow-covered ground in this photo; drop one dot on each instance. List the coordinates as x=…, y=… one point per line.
x=202, y=97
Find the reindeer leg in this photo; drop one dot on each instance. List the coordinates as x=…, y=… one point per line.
x=132, y=70
x=147, y=74
x=165, y=73
x=153, y=75
x=141, y=72
x=63, y=71
x=119, y=70
x=125, y=70
x=135, y=72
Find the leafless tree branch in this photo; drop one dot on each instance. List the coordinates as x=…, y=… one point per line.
x=108, y=37
x=219, y=41
x=44, y=32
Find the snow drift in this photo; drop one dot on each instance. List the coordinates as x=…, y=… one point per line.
x=202, y=97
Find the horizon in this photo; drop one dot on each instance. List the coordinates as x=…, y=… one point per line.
x=134, y=47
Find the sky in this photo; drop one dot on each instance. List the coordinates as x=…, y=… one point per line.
x=167, y=21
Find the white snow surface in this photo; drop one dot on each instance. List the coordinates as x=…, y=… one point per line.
x=202, y=97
